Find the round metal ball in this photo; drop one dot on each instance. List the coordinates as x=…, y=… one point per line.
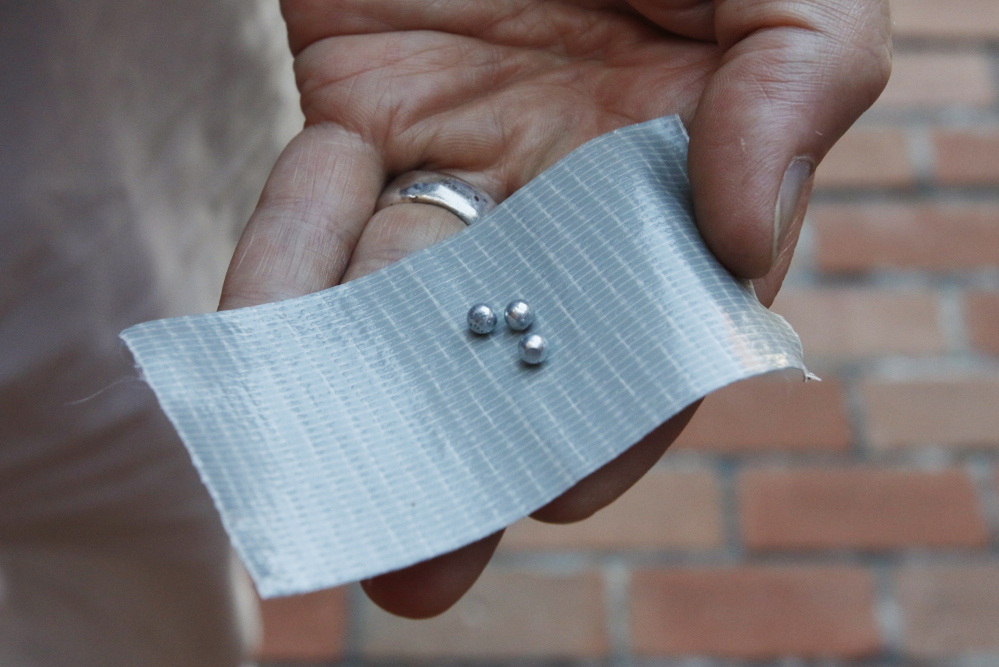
x=533, y=349
x=519, y=315
x=481, y=319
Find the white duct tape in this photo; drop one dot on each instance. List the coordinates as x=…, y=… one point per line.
x=363, y=428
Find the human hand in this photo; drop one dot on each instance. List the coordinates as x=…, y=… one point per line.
x=495, y=91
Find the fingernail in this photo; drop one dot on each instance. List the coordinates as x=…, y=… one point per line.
x=792, y=188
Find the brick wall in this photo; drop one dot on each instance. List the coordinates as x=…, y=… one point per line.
x=849, y=522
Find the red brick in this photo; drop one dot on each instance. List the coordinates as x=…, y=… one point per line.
x=859, y=509
x=949, y=610
x=664, y=510
x=861, y=322
x=304, y=627
x=950, y=19
x=754, y=612
x=933, y=412
x=770, y=414
x=967, y=157
x=507, y=614
x=939, y=80
x=983, y=320
x=868, y=157
x=852, y=238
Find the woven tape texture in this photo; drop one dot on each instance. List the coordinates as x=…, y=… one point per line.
x=364, y=428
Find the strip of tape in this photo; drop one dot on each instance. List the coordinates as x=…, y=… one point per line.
x=363, y=428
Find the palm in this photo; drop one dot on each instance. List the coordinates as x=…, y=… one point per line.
x=485, y=94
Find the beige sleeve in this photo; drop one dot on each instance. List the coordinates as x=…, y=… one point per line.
x=136, y=136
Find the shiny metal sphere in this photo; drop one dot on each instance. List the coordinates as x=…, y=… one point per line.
x=533, y=349
x=481, y=319
x=519, y=315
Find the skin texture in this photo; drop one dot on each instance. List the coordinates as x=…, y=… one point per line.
x=495, y=91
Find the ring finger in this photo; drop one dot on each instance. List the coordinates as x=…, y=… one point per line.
x=428, y=588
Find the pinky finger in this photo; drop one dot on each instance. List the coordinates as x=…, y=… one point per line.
x=311, y=213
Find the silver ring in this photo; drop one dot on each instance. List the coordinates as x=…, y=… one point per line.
x=431, y=187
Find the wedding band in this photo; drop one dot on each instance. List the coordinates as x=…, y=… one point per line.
x=431, y=187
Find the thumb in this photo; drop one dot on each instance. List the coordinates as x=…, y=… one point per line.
x=794, y=76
